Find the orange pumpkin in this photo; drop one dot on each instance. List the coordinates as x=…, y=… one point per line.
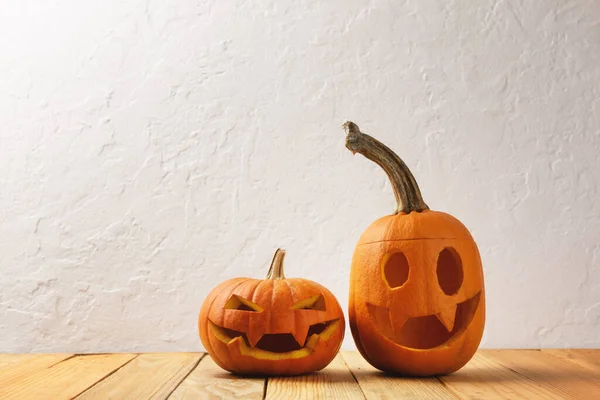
x=417, y=299
x=275, y=326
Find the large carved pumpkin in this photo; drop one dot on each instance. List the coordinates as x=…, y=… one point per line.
x=416, y=303
x=275, y=326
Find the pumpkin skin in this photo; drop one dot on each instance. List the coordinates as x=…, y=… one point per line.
x=417, y=298
x=275, y=326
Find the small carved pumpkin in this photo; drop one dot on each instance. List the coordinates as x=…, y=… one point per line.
x=275, y=326
x=416, y=303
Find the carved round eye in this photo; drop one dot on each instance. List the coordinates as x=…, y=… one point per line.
x=239, y=303
x=395, y=270
x=316, y=302
x=449, y=271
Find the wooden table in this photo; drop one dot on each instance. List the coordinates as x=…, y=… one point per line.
x=491, y=374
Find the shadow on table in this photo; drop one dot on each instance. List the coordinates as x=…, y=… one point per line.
x=329, y=376
x=232, y=376
x=490, y=375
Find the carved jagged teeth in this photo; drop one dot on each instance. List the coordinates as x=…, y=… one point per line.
x=398, y=320
x=447, y=316
x=300, y=334
x=254, y=337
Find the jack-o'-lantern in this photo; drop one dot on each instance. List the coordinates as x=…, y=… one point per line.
x=275, y=326
x=416, y=301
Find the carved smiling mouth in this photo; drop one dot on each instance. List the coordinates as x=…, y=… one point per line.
x=276, y=346
x=429, y=331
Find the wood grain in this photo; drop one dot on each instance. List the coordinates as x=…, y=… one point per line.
x=18, y=367
x=491, y=374
x=8, y=359
x=377, y=385
x=148, y=376
x=553, y=373
x=484, y=378
x=333, y=382
x=208, y=381
x=64, y=380
x=584, y=358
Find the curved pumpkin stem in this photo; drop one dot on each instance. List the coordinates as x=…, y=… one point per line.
x=406, y=190
x=276, y=270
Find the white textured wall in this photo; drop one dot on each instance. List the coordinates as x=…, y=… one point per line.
x=151, y=149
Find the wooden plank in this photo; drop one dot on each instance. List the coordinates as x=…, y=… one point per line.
x=8, y=359
x=64, y=380
x=148, y=376
x=208, y=381
x=484, y=378
x=553, y=373
x=27, y=364
x=334, y=382
x=377, y=385
x=587, y=358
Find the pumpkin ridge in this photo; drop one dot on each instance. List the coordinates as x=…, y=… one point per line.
x=292, y=293
x=239, y=282
x=355, y=330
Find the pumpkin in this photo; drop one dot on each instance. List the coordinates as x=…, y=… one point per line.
x=417, y=299
x=275, y=326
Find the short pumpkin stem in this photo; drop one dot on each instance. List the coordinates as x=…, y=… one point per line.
x=276, y=270
x=406, y=190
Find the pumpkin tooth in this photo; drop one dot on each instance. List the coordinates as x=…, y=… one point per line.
x=447, y=316
x=300, y=332
x=397, y=320
x=382, y=318
x=254, y=336
x=330, y=327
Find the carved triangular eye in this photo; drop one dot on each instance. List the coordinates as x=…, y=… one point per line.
x=316, y=302
x=242, y=304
